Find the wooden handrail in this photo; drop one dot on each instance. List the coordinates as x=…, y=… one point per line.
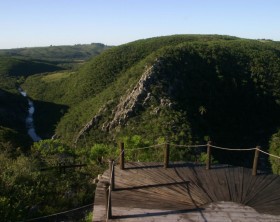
x=121, y=145
x=255, y=163
x=108, y=188
x=208, y=159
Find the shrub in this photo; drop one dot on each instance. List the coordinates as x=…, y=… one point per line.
x=274, y=148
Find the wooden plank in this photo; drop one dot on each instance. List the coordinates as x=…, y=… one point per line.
x=187, y=187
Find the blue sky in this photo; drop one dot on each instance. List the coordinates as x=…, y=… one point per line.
x=26, y=23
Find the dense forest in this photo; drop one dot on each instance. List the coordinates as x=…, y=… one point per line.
x=181, y=89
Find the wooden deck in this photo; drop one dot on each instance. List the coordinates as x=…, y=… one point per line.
x=187, y=192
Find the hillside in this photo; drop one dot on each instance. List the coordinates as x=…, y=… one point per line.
x=13, y=108
x=184, y=88
x=65, y=56
x=17, y=64
x=11, y=66
x=79, y=51
x=12, y=118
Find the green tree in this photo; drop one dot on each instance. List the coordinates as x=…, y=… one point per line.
x=202, y=110
x=19, y=185
x=33, y=186
x=274, y=148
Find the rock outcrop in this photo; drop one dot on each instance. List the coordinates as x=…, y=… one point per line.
x=93, y=122
x=134, y=100
x=128, y=105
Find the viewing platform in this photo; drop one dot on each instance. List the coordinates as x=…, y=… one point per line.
x=153, y=191
x=186, y=192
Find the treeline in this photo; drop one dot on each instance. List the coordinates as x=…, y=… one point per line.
x=68, y=56
x=57, y=53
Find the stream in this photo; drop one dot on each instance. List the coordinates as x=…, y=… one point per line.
x=29, y=119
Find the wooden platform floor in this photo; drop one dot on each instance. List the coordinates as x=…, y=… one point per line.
x=187, y=192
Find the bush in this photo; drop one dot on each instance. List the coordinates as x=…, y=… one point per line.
x=33, y=186
x=101, y=152
x=274, y=148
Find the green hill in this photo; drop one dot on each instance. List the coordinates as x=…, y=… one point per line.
x=185, y=88
x=79, y=51
x=67, y=56
x=13, y=111
x=17, y=64
x=10, y=66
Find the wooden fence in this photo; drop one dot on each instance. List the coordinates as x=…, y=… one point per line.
x=209, y=146
x=109, y=186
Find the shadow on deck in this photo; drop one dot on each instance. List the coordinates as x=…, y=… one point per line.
x=145, y=190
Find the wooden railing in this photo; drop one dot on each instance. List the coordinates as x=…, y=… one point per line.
x=208, y=146
x=109, y=186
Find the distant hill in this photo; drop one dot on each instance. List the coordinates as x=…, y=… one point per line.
x=184, y=88
x=57, y=53
x=10, y=66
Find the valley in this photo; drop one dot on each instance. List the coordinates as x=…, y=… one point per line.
x=179, y=89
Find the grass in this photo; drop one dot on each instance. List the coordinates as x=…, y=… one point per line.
x=56, y=76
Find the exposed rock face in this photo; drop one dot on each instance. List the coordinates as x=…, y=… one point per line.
x=133, y=101
x=93, y=122
x=88, y=126
x=129, y=104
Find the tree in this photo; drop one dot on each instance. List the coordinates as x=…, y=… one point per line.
x=202, y=110
x=274, y=148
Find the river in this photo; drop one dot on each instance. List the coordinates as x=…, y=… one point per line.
x=29, y=121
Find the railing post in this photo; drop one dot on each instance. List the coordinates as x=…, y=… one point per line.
x=112, y=173
x=208, y=159
x=108, y=204
x=166, y=155
x=122, y=156
x=256, y=158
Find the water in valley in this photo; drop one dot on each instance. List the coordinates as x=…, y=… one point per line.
x=29, y=119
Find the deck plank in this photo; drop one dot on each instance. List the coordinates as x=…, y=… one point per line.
x=185, y=189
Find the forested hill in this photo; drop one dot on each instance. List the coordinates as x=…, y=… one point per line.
x=11, y=66
x=17, y=64
x=57, y=53
x=183, y=88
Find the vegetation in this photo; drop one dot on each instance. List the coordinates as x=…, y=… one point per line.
x=274, y=149
x=63, y=56
x=17, y=64
x=182, y=89
x=31, y=182
x=35, y=185
x=58, y=53
x=12, y=119
x=218, y=86
x=23, y=67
